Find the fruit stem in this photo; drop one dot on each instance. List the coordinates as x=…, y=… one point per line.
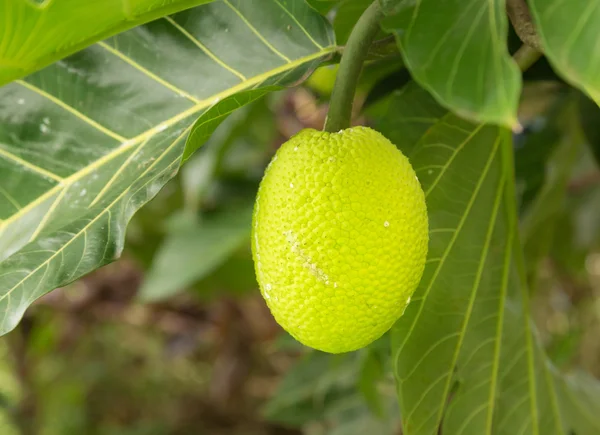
x=526, y=56
x=353, y=57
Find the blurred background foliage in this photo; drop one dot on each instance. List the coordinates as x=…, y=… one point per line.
x=174, y=338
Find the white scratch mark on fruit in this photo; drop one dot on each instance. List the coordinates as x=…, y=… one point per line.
x=405, y=306
x=306, y=259
x=268, y=288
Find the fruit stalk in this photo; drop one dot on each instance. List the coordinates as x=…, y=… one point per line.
x=353, y=57
x=526, y=56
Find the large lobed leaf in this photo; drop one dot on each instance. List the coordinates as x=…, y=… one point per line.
x=87, y=141
x=466, y=356
x=569, y=32
x=457, y=50
x=39, y=32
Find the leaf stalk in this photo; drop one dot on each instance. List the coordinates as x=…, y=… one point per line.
x=526, y=56
x=353, y=58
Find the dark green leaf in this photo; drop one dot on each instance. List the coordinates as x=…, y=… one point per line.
x=563, y=347
x=391, y=7
x=388, y=84
x=578, y=232
x=240, y=145
x=195, y=249
x=313, y=384
x=213, y=117
x=589, y=113
x=89, y=140
x=539, y=223
x=465, y=355
x=568, y=32
x=457, y=51
x=346, y=16
x=323, y=6
x=533, y=148
x=371, y=373
x=322, y=388
x=350, y=416
x=234, y=277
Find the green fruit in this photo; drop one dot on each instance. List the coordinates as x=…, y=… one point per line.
x=339, y=237
x=323, y=79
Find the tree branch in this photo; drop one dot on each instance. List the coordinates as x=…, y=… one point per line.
x=520, y=17
x=353, y=57
x=526, y=56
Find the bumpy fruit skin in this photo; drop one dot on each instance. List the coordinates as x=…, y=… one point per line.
x=339, y=237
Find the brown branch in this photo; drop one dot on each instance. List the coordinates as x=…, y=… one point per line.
x=526, y=56
x=584, y=182
x=520, y=17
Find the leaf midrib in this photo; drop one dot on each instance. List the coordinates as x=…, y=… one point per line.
x=95, y=219
x=455, y=236
x=128, y=144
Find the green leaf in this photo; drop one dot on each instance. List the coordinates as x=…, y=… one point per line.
x=235, y=277
x=213, y=117
x=350, y=416
x=533, y=149
x=89, y=140
x=539, y=223
x=195, y=249
x=465, y=354
x=239, y=147
x=578, y=232
x=323, y=6
x=11, y=392
x=568, y=31
x=37, y=33
x=346, y=16
x=392, y=6
x=371, y=372
x=316, y=382
x=323, y=388
x=589, y=113
x=457, y=51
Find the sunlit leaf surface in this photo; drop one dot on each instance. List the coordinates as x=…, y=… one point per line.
x=36, y=33
x=87, y=141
